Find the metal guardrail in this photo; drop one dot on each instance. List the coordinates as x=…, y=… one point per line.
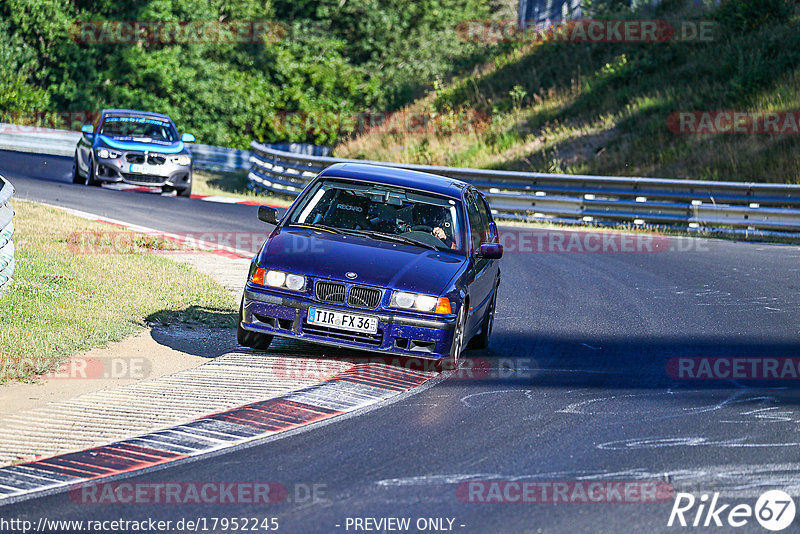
x=63, y=143
x=564, y=198
x=219, y=158
x=6, y=234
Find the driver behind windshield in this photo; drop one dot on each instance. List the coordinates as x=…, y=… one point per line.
x=436, y=220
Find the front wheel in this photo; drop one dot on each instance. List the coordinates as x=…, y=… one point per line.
x=457, y=346
x=185, y=192
x=76, y=175
x=254, y=340
x=91, y=180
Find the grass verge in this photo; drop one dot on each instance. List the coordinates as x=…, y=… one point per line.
x=232, y=184
x=605, y=108
x=67, y=299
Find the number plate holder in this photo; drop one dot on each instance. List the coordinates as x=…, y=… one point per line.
x=343, y=320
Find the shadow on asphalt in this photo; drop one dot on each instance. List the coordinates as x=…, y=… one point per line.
x=51, y=169
x=531, y=360
x=645, y=363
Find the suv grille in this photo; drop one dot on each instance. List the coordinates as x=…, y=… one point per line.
x=156, y=160
x=134, y=158
x=144, y=179
x=329, y=292
x=364, y=297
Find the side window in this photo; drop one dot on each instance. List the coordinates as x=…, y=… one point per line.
x=475, y=222
x=486, y=218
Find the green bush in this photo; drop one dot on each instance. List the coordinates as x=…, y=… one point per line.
x=349, y=56
x=741, y=16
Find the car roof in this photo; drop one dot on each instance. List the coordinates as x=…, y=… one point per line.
x=136, y=112
x=379, y=174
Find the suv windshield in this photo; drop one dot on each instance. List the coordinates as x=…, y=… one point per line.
x=141, y=129
x=383, y=212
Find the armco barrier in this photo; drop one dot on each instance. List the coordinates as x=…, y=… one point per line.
x=512, y=195
x=63, y=143
x=219, y=158
x=568, y=198
x=6, y=234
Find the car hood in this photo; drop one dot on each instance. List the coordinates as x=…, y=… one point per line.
x=377, y=263
x=133, y=143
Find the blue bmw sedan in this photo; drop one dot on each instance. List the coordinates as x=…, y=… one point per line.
x=379, y=259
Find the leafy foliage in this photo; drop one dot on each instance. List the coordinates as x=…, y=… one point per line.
x=605, y=108
x=334, y=55
x=748, y=15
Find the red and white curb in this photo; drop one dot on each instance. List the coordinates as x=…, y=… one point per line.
x=358, y=387
x=207, y=198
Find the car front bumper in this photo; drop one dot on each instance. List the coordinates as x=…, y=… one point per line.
x=159, y=175
x=284, y=316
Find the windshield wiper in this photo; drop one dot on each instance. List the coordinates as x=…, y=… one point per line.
x=397, y=238
x=371, y=233
x=319, y=227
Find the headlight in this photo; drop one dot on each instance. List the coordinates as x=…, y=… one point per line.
x=104, y=153
x=295, y=282
x=182, y=160
x=418, y=302
x=279, y=279
x=401, y=299
x=275, y=278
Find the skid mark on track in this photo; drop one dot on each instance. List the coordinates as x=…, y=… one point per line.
x=476, y=400
x=736, y=397
x=707, y=296
x=768, y=415
x=739, y=480
x=688, y=441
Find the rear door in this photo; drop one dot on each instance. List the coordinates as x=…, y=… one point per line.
x=484, y=271
x=491, y=236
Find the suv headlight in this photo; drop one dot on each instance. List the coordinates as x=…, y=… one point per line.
x=419, y=302
x=279, y=279
x=104, y=153
x=182, y=160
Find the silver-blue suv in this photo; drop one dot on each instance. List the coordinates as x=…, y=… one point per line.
x=135, y=147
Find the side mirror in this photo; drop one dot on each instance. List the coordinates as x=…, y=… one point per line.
x=188, y=138
x=490, y=251
x=88, y=129
x=268, y=215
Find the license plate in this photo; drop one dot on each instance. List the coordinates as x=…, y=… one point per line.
x=345, y=321
x=145, y=169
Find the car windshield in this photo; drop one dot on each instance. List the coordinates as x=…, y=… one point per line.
x=383, y=212
x=146, y=129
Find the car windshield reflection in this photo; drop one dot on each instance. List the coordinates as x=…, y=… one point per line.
x=382, y=212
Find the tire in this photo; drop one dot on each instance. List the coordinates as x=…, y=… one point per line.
x=186, y=192
x=481, y=341
x=246, y=338
x=91, y=179
x=457, y=346
x=76, y=175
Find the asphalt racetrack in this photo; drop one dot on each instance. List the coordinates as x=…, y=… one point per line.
x=598, y=371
